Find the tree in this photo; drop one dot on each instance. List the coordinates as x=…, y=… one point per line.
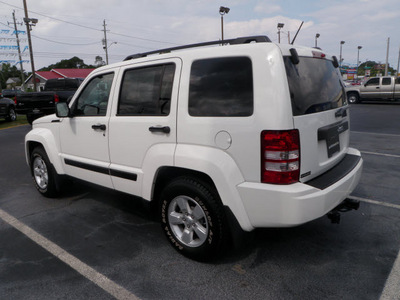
x=6, y=72
x=72, y=63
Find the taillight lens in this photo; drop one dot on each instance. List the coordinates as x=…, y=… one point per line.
x=280, y=156
x=56, y=98
x=15, y=100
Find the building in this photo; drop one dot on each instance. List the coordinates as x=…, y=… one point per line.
x=43, y=76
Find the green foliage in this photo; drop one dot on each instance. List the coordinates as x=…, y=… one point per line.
x=72, y=63
x=6, y=72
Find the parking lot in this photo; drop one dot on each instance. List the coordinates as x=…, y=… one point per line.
x=94, y=243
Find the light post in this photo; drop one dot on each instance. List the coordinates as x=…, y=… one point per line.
x=29, y=23
x=316, y=37
x=222, y=11
x=340, y=60
x=358, y=56
x=280, y=26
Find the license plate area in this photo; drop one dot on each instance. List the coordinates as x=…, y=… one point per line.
x=331, y=135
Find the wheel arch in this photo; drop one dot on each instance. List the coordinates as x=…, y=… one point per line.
x=45, y=139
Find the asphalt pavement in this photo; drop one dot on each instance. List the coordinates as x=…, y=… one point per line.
x=94, y=243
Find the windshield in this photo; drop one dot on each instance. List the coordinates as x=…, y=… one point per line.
x=314, y=85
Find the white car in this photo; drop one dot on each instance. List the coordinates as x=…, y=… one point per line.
x=242, y=135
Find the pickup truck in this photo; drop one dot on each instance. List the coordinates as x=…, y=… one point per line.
x=376, y=88
x=37, y=104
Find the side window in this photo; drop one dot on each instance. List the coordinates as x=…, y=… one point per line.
x=93, y=100
x=221, y=87
x=386, y=81
x=372, y=81
x=146, y=91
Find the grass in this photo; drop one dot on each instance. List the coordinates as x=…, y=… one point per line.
x=21, y=120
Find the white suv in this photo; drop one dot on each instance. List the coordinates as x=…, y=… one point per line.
x=243, y=134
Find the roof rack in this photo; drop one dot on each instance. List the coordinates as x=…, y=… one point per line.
x=240, y=40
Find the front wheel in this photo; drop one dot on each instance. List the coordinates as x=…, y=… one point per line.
x=43, y=173
x=353, y=98
x=192, y=218
x=12, y=116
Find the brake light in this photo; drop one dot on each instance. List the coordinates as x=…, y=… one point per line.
x=56, y=98
x=280, y=156
x=15, y=100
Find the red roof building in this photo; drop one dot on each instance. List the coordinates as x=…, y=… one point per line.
x=43, y=76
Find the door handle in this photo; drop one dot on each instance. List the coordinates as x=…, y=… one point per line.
x=163, y=129
x=99, y=127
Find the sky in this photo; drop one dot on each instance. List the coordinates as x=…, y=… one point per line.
x=68, y=28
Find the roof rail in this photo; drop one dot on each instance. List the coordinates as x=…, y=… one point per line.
x=240, y=40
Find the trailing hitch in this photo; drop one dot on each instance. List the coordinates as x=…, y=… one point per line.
x=346, y=205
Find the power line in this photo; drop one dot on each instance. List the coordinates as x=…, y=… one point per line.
x=91, y=28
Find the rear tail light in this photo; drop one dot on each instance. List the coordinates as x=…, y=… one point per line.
x=56, y=98
x=15, y=100
x=280, y=156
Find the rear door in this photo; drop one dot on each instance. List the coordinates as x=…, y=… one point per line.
x=320, y=113
x=143, y=122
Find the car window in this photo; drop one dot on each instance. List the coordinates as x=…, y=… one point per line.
x=386, y=81
x=372, y=81
x=146, y=91
x=221, y=87
x=93, y=100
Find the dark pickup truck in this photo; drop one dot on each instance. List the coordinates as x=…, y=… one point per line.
x=37, y=104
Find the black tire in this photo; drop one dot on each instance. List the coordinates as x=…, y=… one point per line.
x=12, y=116
x=44, y=175
x=30, y=119
x=192, y=218
x=353, y=98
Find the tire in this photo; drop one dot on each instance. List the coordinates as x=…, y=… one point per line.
x=43, y=173
x=192, y=219
x=353, y=98
x=30, y=119
x=12, y=116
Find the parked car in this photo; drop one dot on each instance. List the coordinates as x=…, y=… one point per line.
x=38, y=104
x=376, y=88
x=221, y=140
x=9, y=93
x=7, y=109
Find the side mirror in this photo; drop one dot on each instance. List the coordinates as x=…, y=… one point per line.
x=62, y=110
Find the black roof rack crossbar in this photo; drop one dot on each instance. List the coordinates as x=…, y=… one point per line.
x=240, y=40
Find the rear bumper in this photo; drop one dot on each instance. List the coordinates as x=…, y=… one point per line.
x=290, y=205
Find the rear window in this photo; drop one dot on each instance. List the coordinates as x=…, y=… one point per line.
x=314, y=85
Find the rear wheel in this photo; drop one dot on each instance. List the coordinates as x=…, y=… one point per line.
x=192, y=218
x=353, y=98
x=43, y=173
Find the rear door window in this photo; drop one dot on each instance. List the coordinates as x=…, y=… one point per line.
x=221, y=87
x=314, y=85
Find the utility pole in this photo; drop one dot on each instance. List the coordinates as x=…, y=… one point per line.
x=387, y=57
x=28, y=31
x=398, y=64
x=19, y=50
x=105, y=40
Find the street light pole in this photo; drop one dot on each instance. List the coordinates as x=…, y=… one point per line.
x=222, y=11
x=28, y=31
x=340, y=58
x=316, y=37
x=280, y=26
x=358, y=56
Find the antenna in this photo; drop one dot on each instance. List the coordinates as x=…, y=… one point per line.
x=302, y=22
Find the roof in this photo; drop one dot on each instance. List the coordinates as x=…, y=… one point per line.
x=62, y=73
x=73, y=73
x=48, y=75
